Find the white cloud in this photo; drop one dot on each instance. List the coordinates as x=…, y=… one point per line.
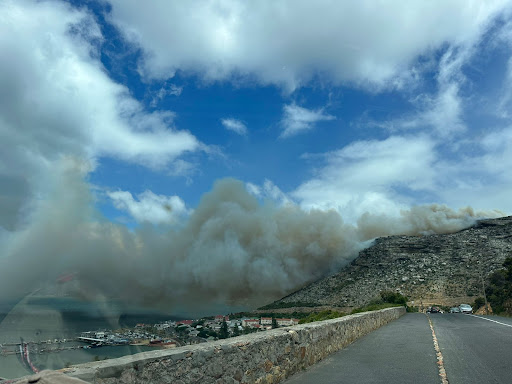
x=172, y=90
x=441, y=114
x=288, y=42
x=56, y=100
x=297, y=120
x=149, y=207
x=235, y=125
x=443, y=111
x=480, y=175
x=269, y=190
x=253, y=189
x=385, y=177
x=370, y=176
x=505, y=102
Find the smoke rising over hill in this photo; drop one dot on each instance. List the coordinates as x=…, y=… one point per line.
x=232, y=250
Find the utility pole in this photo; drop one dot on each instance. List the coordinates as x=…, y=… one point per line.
x=485, y=296
x=483, y=287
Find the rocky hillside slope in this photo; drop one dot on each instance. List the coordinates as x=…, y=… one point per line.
x=443, y=269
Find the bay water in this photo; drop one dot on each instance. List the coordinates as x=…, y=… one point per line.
x=44, y=319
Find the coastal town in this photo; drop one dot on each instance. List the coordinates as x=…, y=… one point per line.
x=166, y=334
x=169, y=334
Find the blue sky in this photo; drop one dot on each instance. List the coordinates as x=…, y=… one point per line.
x=300, y=95
x=348, y=107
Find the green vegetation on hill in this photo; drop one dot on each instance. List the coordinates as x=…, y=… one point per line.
x=280, y=304
x=319, y=316
x=277, y=315
x=387, y=299
x=499, y=291
x=374, y=307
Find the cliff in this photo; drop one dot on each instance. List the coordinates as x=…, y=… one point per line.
x=444, y=269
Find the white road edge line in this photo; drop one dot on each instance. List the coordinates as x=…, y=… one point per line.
x=494, y=321
x=439, y=355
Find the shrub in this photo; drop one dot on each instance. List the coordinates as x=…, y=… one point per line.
x=499, y=291
x=374, y=307
x=478, y=303
x=319, y=316
x=277, y=305
x=393, y=297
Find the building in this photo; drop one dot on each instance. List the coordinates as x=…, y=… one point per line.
x=251, y=323
x=221, y=318
x=266, y=321
x=287, y=322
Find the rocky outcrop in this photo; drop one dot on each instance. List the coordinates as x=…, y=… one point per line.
x=443, y=269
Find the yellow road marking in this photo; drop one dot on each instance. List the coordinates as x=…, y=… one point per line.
x=439, y=355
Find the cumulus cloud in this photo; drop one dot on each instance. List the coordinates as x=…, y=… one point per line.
x=366, y=175
x=149, y=207
x=385, y=177
x=288, y=43
x=297, y=119
x=56, y=99
x=479, y=175
x=440, y=112
x=235, y=125
x=269, y=190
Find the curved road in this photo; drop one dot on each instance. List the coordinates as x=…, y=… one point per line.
x=474, y=349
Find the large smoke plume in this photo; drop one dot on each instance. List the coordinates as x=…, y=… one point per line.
x=233, y=250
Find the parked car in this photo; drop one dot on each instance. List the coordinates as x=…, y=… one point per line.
x=435, y=309
x=454, y=310
x=465, y=308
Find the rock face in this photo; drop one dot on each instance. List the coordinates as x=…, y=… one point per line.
x=443, y=269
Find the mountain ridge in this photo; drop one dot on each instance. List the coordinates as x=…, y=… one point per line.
x=441, y=268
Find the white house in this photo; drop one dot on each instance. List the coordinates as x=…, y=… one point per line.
x=266, y=321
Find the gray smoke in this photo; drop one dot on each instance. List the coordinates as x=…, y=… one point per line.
x=232, y=251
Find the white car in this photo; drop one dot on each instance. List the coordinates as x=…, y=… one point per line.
x=465, y=308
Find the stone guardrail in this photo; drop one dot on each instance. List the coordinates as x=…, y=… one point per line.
x=263, y=357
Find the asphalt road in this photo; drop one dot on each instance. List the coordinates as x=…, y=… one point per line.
x=474, y=350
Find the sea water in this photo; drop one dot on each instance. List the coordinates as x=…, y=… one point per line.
x=43, y=319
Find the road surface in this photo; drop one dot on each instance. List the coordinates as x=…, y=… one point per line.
x=473, y=349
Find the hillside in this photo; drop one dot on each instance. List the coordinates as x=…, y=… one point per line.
x=442, y=269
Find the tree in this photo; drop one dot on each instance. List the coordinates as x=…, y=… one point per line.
x=499, y=290
x=393, y=297
x=274, y=323
x=223, y=333
x=203, y=333
x=479, y=303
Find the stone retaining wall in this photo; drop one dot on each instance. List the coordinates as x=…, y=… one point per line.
x=263, y=357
